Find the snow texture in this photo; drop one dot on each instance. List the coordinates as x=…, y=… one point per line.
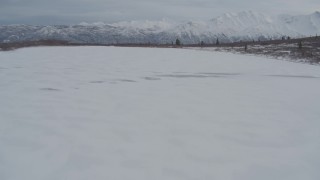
x=100, y=113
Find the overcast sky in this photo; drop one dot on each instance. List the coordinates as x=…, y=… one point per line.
x=76, y=11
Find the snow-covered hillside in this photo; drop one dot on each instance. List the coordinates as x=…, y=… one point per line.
x=228, y=28
x=100, y=113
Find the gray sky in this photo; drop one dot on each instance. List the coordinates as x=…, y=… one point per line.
x=76, y=11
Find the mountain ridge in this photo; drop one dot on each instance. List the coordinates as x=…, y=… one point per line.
x=229, y=27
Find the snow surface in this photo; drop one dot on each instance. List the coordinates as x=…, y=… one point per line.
x=80, y=113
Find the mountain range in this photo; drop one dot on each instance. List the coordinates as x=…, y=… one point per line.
x=229, y=27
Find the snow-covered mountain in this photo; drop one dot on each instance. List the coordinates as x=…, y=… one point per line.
x=228, y=27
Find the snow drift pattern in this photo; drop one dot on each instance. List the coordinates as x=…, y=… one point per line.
x=109, y=113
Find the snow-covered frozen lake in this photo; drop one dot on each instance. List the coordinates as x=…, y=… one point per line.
x=107, y=113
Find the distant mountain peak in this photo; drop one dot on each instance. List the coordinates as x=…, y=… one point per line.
x=229, y=27
x=317, y=13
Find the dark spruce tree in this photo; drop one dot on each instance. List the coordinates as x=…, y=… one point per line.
x=300, y=45
x=217, y=42
x=178, y=43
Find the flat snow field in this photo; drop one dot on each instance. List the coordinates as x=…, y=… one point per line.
x=108, y=113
